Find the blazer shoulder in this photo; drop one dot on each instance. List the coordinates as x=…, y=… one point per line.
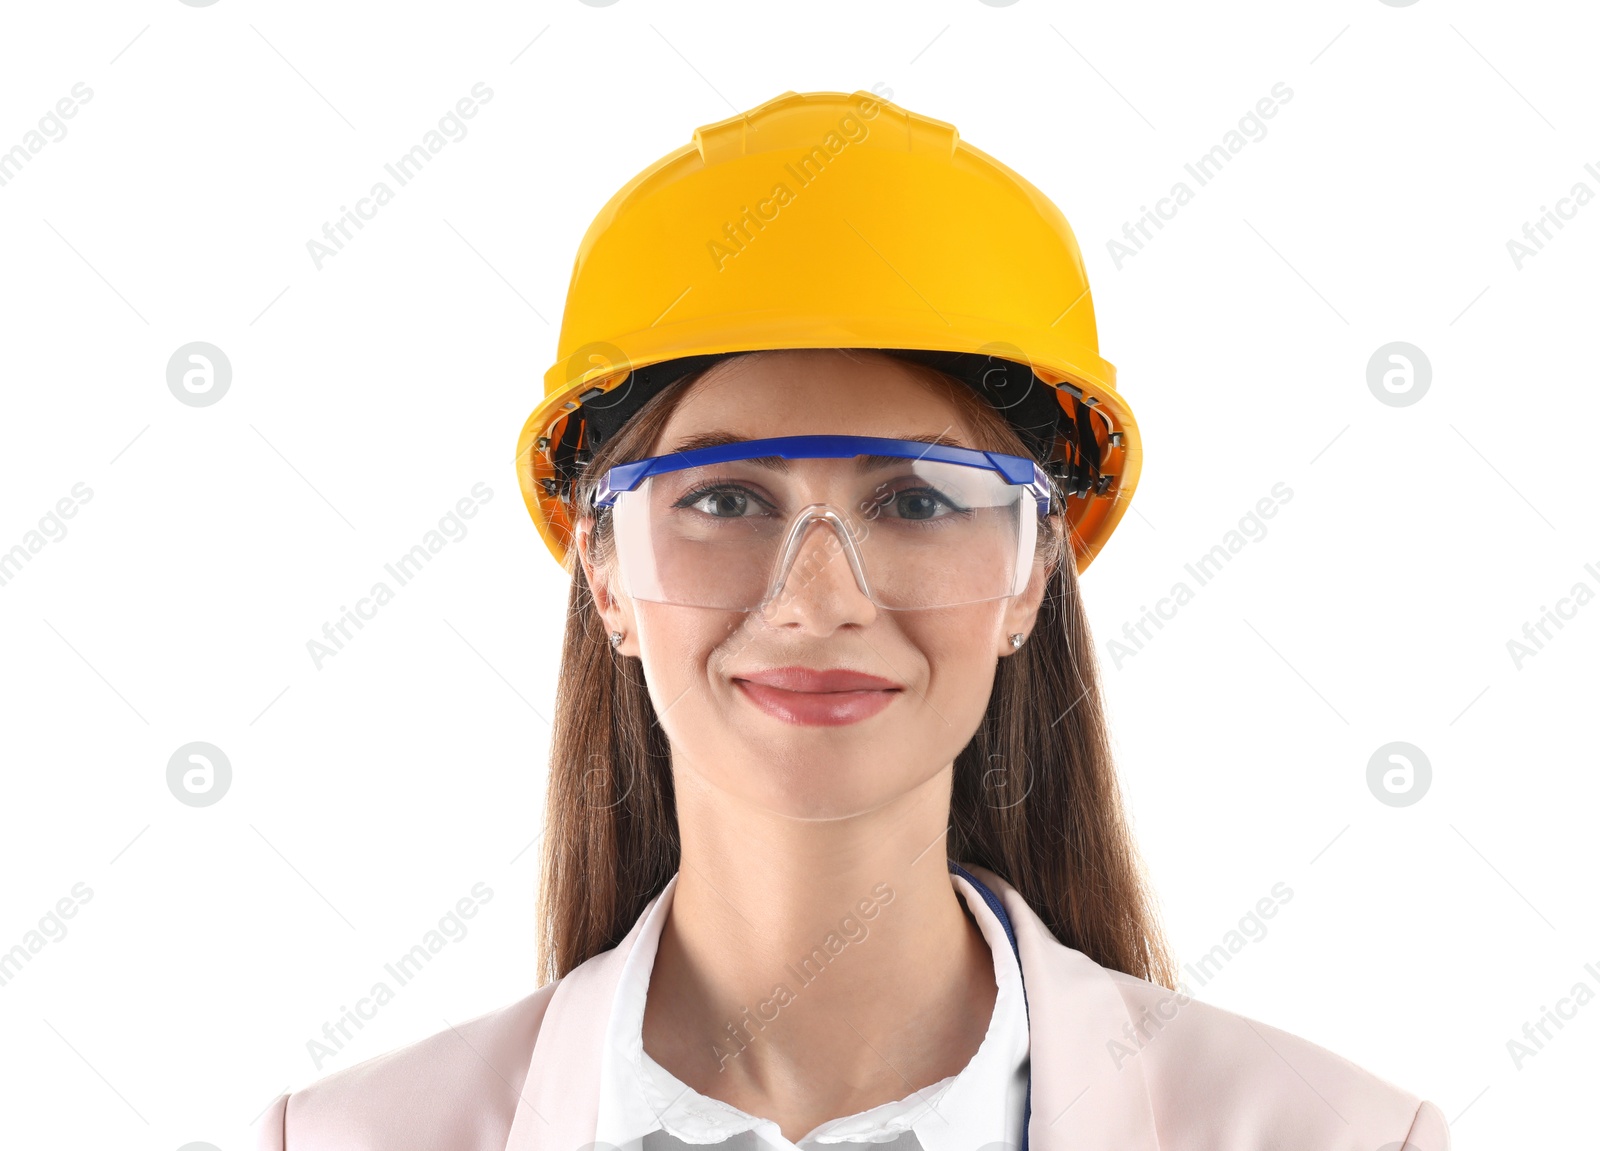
x=457, y=1088
x=1220, y=1079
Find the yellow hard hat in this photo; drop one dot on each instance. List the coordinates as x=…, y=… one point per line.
x=821, y=219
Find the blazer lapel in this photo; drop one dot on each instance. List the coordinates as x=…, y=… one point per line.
x=559, y=1106
x=1086, y=1096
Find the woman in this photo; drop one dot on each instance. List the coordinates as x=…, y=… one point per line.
x=834, y=849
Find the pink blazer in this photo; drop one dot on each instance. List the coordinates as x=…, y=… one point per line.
x=1119, y=1064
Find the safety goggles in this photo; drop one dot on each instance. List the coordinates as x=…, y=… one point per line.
x=920, y=525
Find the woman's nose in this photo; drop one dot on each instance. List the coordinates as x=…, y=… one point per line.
x=819, y=586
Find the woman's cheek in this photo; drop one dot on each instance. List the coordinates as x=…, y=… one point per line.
x=687, y=655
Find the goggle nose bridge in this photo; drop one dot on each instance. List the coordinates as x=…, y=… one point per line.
x=804, y=518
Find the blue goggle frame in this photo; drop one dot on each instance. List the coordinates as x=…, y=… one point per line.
x=1020, y=470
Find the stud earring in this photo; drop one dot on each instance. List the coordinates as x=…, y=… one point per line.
x=616, y=639
x=1016, y=640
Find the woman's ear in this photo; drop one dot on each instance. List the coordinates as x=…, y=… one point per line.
x=614, y=609
x=1022, y=611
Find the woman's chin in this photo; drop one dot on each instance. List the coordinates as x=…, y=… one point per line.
x=827, y=785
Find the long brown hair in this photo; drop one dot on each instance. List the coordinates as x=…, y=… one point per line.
x=1035, y=797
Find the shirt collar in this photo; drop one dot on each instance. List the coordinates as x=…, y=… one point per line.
x=980, y=1105
x=1083, y=1100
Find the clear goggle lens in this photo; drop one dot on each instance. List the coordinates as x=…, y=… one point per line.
x=912, y=533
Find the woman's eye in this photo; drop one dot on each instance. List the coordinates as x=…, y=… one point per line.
x=719, y=503
x=918, y=504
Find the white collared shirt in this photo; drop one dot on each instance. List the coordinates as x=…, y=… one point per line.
x=979, y=1106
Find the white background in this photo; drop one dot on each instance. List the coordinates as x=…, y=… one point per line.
x=369, y=396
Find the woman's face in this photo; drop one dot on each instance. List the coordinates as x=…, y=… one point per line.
x=753, y=741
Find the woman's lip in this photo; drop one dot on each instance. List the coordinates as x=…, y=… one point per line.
x=816, y=708
x=809, y=679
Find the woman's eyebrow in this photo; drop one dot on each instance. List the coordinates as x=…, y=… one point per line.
x=779, y=464
x=705, y=440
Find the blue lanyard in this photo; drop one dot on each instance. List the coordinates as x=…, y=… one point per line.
x=993, y=901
